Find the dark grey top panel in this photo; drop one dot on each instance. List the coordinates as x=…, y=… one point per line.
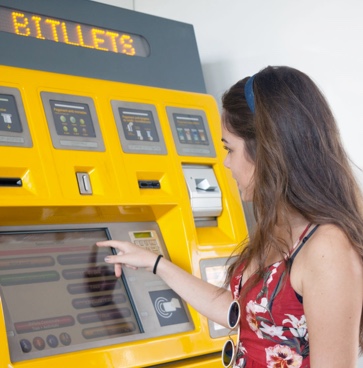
x=173, y=63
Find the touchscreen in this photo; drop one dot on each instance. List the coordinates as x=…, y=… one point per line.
x=59, y=295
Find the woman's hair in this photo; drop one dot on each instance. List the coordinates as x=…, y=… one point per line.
x=300, y=163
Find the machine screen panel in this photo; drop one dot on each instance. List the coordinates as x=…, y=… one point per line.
x=72, y=122
x=138, y=128
x=190, y=129
x=191, y=132
x=72, y=119
x=59, y=295
x=14, y=129
x=138, y=125
x=9, y=116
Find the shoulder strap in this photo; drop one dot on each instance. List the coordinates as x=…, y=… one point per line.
x=305, y=239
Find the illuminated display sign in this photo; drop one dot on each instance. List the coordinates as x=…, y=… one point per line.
x=42, y=27
x=92, y=305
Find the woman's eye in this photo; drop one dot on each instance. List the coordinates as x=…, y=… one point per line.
x=227, y=149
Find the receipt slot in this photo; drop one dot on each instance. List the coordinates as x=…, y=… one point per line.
x=204, y=193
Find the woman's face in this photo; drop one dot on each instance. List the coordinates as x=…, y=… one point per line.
x=238, y=161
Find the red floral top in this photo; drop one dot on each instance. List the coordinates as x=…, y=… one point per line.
x=274, y=333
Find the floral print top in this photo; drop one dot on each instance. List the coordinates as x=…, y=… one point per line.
x=273, y=333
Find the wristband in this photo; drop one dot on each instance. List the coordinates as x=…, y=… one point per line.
x=156, y=263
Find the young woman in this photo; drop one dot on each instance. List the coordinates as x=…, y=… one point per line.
x=298, y=281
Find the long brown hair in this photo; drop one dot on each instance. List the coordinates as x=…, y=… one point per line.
x=300, y=163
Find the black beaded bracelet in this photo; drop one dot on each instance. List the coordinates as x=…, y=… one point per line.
x=156, y=263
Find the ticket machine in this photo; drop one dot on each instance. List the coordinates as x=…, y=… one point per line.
x=93, y=150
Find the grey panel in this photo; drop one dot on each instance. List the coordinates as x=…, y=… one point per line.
x=138, y=128
x=191, y=133
x=90, y=307
x=14, y=130
x=66, y=113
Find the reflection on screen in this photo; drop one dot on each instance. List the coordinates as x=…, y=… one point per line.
x=59, y=295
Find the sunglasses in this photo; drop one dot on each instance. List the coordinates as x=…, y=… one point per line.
x=229, y=351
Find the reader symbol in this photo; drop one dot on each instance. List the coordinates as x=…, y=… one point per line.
x=166, y=308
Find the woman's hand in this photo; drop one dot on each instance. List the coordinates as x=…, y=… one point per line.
x=198, y=293
x=128, y=254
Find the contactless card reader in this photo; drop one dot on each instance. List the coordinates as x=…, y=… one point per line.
x=204, y=193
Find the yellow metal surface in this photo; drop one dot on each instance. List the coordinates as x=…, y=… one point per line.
x=50, y=195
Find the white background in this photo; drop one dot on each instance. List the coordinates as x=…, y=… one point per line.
x=323, y=38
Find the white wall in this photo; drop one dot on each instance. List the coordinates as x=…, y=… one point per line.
x=323, y=38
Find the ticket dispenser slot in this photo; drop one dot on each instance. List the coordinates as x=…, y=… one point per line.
x=204, y=193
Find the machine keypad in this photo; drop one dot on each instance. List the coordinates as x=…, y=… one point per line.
x=149, y=244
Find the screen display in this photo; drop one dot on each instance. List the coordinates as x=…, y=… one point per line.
x=9, y=115
x=59, y=295
x=42, y=27
x=72, y=119
x=190, y=129
x=138, y=125
x=144, y=234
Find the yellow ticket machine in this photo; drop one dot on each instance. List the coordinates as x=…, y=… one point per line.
x=88, y=158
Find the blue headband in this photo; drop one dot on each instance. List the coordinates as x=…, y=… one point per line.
x=249, y=95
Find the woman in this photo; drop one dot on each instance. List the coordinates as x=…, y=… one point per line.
x=299, y=279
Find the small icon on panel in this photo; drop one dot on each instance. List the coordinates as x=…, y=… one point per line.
x=168, y=307
x=149, y=136
x=7, y=118
x=139, y=136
